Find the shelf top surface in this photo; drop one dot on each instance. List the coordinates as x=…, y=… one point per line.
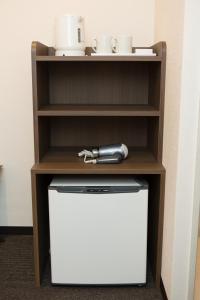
x=98, y=110
x=60, y=160
x=90, y=58
x=41, y=52
x=71, y=168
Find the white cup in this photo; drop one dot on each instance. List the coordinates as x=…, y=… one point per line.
x=123, y=44
x=103, y=44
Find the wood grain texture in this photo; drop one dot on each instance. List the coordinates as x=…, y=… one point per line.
x=39, y=87
x=42, y=84
x=35, y=99
x=93, y=131
x=40, y=224
x=85, y=101
x=38, y=48
x=98, y=110
x=43, y=137
x=98, y=83
x=97, y=58
x=80, y=168
x=70, y=155
x=160, y=220
x=154, y=85
x=163, y=48
x=35, y=231
x=153, y=225
x=152, y=135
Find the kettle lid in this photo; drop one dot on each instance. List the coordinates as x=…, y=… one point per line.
x=72, y=16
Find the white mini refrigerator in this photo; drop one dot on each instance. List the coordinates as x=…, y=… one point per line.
x=98, y=230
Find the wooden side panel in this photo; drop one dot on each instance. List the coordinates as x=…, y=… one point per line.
x=155, y=224
x=160, y=48
x=35, y=231
x=40, y=223
x=163, y=49
x=38, y=91
x=39, y=49
x=160, y=229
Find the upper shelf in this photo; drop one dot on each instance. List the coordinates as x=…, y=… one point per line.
x=98, y=110
x=41, y=52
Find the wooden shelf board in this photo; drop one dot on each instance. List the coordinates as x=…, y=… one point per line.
x=71, y=168
x=59, y=160
x=97, y=110
x=96, y=58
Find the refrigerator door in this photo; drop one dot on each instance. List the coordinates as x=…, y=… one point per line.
x=98, y=238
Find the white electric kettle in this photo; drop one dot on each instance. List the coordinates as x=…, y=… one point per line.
x=70, y=36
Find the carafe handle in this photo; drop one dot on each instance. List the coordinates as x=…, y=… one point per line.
x=114, y=47
x=94, y=48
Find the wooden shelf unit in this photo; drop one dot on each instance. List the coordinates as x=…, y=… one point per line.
x=79, y=102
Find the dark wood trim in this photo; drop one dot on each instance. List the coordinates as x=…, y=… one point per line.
x=34, y=50
x=38, y=48
x=40, y=224
x=162, y=100
x=15, y=230
x=35, y=232
x=163, y=291
x=160, y=228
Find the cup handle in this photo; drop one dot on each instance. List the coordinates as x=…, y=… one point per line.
x=114, y=45
x=93, y=47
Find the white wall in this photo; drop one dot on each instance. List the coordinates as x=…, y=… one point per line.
x=188, y=191
x=169, y=24
x=178, y=22
x=22, y=21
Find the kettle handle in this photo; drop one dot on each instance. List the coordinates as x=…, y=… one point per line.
x=81, y=30
x=94, y=48
x=114, y=46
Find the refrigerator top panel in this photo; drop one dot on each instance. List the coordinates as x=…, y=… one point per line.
x=97, y=184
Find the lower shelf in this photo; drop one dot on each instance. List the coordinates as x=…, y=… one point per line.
x=61, y=160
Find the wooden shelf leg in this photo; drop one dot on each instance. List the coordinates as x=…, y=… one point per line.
x=160, y=230
x=35, y=231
